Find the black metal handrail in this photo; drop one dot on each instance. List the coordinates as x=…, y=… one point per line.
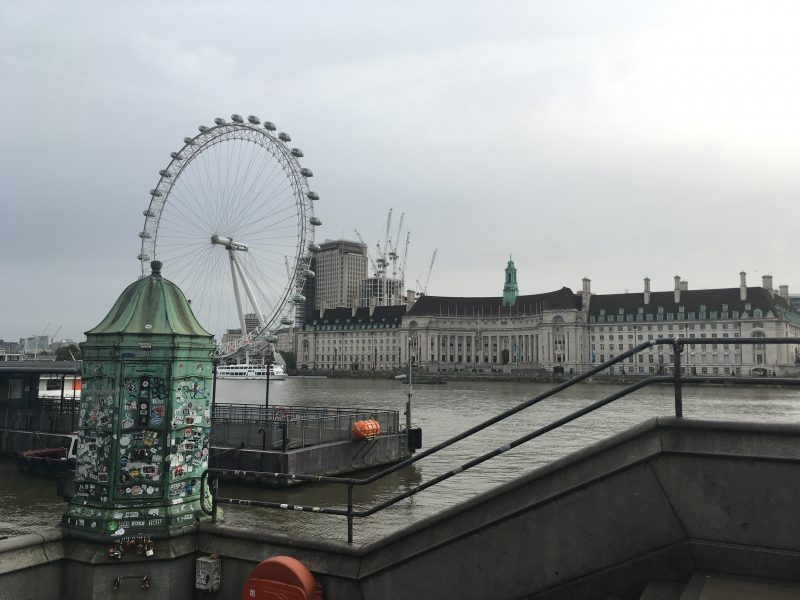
x=677, y=379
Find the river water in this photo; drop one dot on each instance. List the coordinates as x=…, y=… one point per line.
x=28, y=502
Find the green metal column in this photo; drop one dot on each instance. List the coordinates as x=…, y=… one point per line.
x=145, y=417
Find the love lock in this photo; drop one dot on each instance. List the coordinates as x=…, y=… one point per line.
x=114, y=552
x=149, y=548
x=145, y=583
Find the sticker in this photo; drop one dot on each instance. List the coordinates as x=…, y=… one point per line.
x=125, y=440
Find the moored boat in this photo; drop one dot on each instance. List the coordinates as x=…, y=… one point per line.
x=54, y=460
x=250, y=371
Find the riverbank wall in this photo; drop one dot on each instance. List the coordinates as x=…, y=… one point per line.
x=662, y=501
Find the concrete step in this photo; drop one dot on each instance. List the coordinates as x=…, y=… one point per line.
x=713, y=586
x=662, y=590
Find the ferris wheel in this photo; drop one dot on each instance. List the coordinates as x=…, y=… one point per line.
x=231, y=219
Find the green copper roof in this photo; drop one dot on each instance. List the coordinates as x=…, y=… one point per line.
x=153, y=306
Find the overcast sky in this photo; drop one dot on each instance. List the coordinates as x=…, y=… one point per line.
x=613, y=140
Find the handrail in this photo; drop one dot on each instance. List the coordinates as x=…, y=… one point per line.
x=676, y=378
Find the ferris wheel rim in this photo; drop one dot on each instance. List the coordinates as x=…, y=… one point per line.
x=295, y=175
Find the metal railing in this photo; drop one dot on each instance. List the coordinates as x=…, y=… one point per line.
x=677, y=379
x=290, y=427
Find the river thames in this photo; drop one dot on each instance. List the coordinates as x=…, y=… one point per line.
x=28, y=502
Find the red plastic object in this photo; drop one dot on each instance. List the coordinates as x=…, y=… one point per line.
x=366, y=430
x=281, y=578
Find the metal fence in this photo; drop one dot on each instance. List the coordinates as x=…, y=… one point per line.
x=290, y=427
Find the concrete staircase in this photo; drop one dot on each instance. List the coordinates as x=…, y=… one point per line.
x=714, y=586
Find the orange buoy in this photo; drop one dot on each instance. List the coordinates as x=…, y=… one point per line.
x=366, y=430
x=281, y=578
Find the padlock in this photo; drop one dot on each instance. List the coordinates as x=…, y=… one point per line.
x=114, y=552
x=145, y=583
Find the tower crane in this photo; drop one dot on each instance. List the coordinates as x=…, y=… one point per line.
x=393, y=256
x=424, y=288
x=382, y=260
x=405, y=257
x=374, y=266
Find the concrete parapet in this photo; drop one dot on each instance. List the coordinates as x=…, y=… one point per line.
x=660, y=501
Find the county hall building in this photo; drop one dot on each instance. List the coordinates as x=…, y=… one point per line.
x=559, y=331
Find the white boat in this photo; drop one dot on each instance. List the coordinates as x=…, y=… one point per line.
x=248, y=371
x=50, y=386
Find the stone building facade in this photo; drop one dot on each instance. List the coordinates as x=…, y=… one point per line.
x=560, y=331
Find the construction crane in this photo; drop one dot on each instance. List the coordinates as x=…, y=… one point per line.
x=424, y=288
x=382, y=251
x=374, y=266
x=393, y=256
x=405, y=257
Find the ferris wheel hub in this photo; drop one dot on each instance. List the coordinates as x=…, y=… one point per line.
x=228, y=243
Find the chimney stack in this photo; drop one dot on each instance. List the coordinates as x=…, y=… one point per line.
x=677, y=291
x=684, y=285
x=586, y=293
x=411, y=299
x=647, y=290
x=766, y=281
x=743, y=286
x=784, y=291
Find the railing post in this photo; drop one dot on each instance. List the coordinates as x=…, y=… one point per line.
x=677, y=348
x=349, y=511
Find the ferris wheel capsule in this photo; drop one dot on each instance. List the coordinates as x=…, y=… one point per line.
x=285, y=137
x=314, y=247
x=219, y=121
x=144, y=235
x=237, y=118
x=156, y=193
x=142, y=257
x=188, y=141
x=309, y=274
x=287, y=321
x=269, y=125
x=297, y=152
x=315, y=221
x=148, y=213
x=298, y=298
x=306, y=172
x=176, y=155
x=253, y=119
x=165, y=173
x=312, y=196
x=272, y=339
x=202, y=128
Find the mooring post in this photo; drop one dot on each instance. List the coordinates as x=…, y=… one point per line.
x=677, y=347
x=408, y=404
x=349, y=511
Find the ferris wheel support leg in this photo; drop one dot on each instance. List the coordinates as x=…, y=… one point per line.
x=247, y=289
x=236, y=292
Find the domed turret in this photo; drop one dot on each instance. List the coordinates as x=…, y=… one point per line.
x=153, y=306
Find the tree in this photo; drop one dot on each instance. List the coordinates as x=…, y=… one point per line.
x=71, y=352
x=290, y=358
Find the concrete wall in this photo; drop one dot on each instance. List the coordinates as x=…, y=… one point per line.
x=660, y=501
